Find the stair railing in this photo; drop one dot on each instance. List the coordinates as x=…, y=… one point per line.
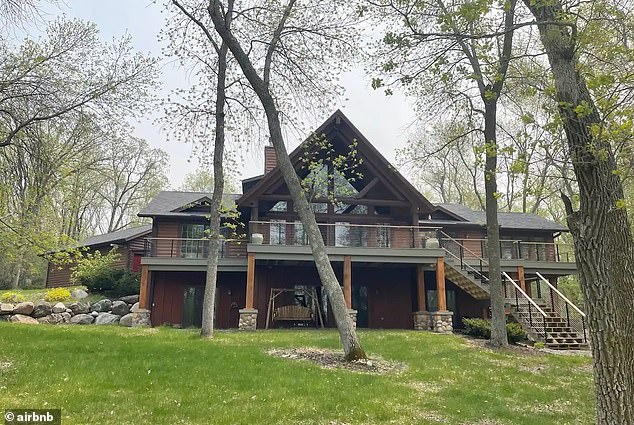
x=558, y=302
x=463, y=265
x=521, y=297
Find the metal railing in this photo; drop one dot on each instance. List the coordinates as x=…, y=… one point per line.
x=536, y=319
x=193, y=248
x=292, y=233
x=559, y=303
x=445, y=240
x=511, y=249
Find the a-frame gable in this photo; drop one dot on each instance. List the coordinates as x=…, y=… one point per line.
x=204, y=201
x=385, y=177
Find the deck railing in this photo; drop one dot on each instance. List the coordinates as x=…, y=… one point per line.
x=510, y=249
x=193, y=248
x=344, y=234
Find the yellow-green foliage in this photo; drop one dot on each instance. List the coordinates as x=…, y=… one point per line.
x=57, y=294
x=11, y=297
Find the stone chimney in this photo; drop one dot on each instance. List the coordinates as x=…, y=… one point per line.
x=270, y=160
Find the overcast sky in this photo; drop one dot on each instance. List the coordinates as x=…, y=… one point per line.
x=383, y=120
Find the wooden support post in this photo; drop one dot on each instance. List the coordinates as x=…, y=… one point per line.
x=420, y=288
x=520, y=277
x=250, y=280
x=347, y=280
x=144, y=293
x=440, y=284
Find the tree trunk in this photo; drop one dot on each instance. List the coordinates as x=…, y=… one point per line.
x=209, y=299
x=351, y=345
x=498, y=317
x=603, y=242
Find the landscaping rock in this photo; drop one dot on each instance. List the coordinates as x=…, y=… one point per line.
x=135, y=320
x=25, y=308
x=6, y=308
x=107, y=319
x=66, y=317
x=102, y=305
x=120, y=308
x=41, y=309
x=94, y=313
x=21, y=318
x=4, y=318
x=52, y=319
x=136, y=309
x=79, y=308
x=130, y=299
x=59, y=308
x=78, y=294
x=82, y=319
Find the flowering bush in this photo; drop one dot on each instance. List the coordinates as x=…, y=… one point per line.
x=57, y=294
x=11, y=297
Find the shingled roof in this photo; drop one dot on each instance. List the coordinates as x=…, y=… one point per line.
x=172, y=204
x=507, y=220
x=120, y=236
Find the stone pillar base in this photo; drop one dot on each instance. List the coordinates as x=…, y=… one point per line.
x=422, y=320
x=353, y=316
x=248, y=319
x=442, y=321
x=435, y=321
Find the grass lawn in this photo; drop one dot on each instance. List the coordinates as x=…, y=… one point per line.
x=114, y=375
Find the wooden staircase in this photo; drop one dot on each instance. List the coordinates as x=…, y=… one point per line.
x=552, y=330
x=466, y=279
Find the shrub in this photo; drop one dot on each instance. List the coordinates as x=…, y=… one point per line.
x=12, y=297
x=57, y=294
x=98, y=274
x=481, y=328
x=539, y=345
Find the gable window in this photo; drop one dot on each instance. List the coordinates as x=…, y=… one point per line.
x=280, y=206
x=277, y=232
x=194, y=245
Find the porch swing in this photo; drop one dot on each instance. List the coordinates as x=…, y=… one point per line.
x=304, y=310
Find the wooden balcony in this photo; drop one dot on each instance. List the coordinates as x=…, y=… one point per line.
x=193, y=248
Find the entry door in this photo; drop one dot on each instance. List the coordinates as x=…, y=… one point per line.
x=360, y=303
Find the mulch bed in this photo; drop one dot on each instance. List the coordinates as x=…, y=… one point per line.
x=332, y=359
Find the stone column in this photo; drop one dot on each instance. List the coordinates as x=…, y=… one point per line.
x=248, y=319
x=353, y=316
x=422, y=320
x=441, y=321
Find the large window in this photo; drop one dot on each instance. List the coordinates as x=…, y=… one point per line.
x=299, y=234
x=350, y=235
x=193, y=244
x=277, y=233
x=383, y=237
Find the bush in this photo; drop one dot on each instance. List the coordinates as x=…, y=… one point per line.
x=12, y=297
x=97, y=273
x=481, y=328
x=57, y=294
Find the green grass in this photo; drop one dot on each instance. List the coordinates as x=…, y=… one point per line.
x=113, y=375
x=38, y=294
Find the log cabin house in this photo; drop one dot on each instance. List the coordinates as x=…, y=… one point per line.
x=403, y=262
x=130, y=243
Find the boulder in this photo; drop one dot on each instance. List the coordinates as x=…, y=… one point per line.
x=107, y=319
x=66, y=317
x=136, y=309
x=120, y=308
x=59, y=308
x=41, y=309
x=94, y=313
x=78, y=294
x=21, y=318
x=52, y=319
x=6, y=308
x=79, y=308
x=82, y=319
x=130, y=299
x=135, y=320
x=25, y=308
x=101, y=305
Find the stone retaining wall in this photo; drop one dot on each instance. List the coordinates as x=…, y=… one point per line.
x=124, y=311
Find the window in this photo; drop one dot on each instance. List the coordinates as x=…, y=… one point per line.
x=277, y=232
x=299, y=234
x=280, y=206
x=342, y=234
x=194, y=245
x=383, y=237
